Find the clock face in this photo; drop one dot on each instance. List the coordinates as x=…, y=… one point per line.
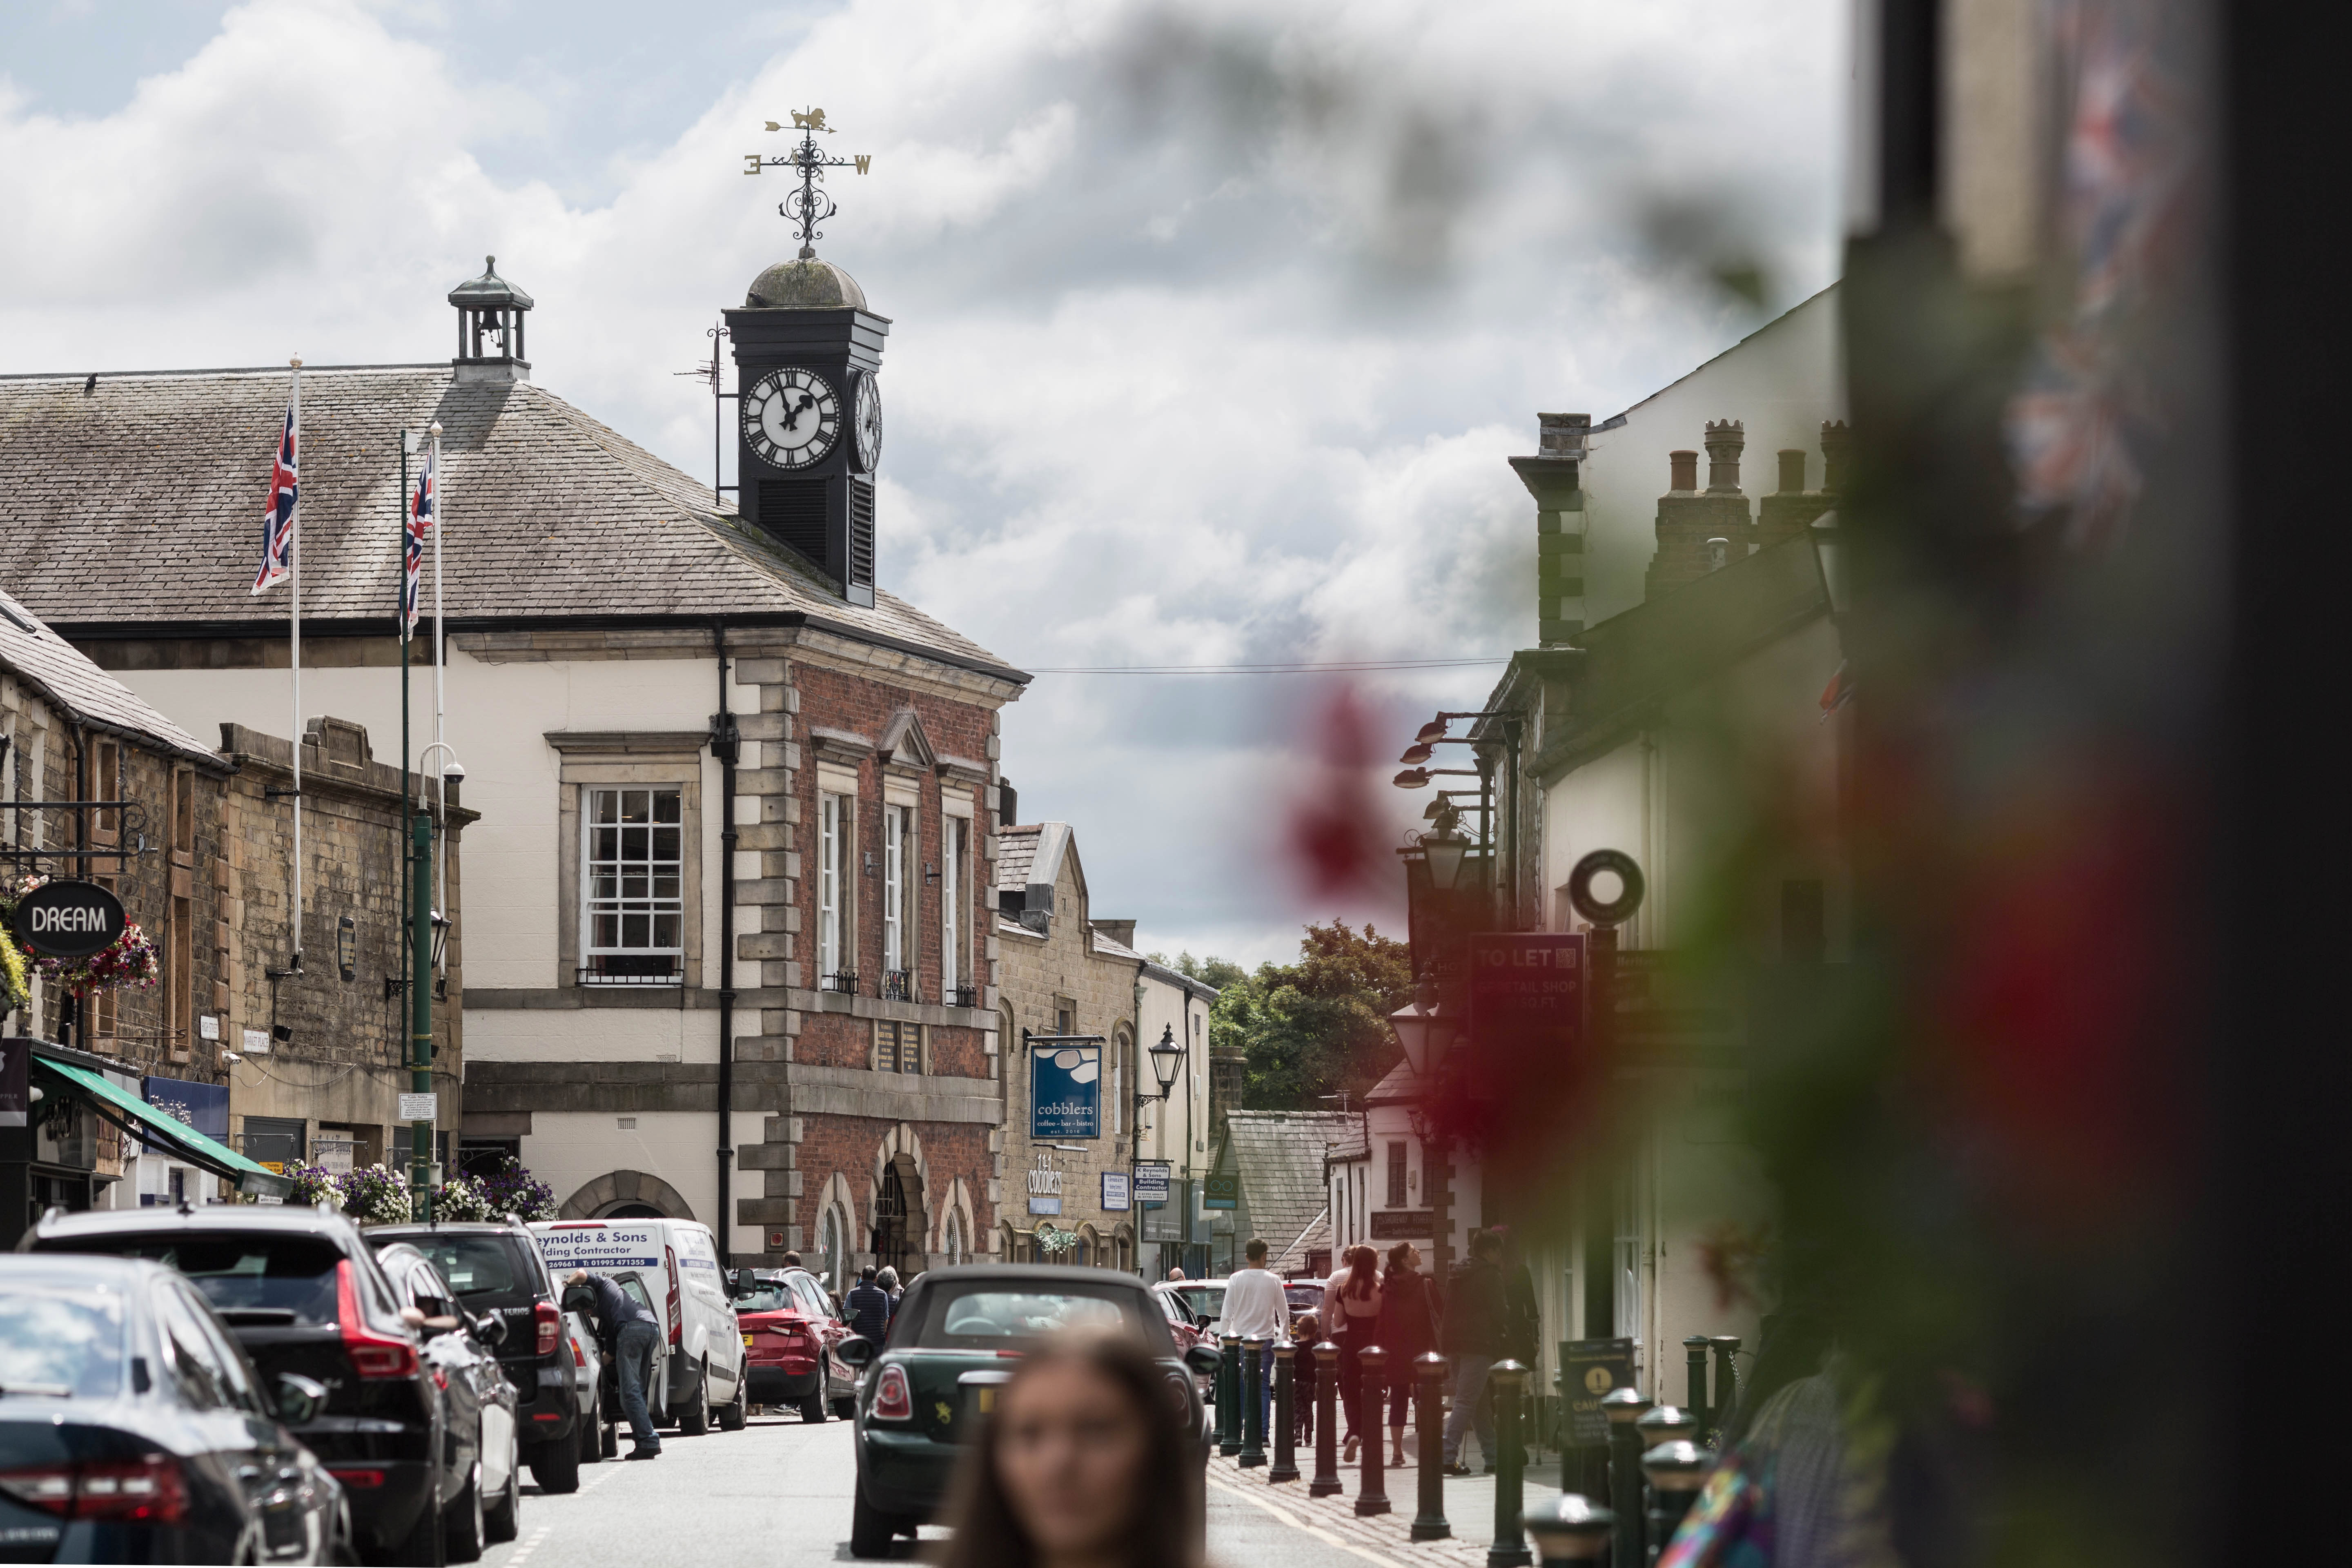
x=869, y=424
x=791, y=418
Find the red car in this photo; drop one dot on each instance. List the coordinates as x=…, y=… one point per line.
x=791, y=1344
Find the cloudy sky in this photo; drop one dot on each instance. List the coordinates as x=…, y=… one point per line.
x=1213, y=322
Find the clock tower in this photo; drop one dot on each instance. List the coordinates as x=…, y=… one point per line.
x=809, y=416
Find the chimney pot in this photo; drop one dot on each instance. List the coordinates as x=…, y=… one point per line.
x=1835, y=443
x=1792, y=470
x=1684, y=469
x=1725, y=438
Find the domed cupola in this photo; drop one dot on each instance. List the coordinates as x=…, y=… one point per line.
x=489, y=327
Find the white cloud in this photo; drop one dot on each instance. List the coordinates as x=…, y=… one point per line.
x=1212, y=323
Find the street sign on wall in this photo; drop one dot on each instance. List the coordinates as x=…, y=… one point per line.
x=1403, y=1225
x=1065, y=1091
x=69, y=919
x=1527, y=1008
x=1151, y=1178
x=1116, y=1192
x=1221, y=1192
x=1589, y=1369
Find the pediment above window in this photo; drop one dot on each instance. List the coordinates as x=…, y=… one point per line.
x=904, y=743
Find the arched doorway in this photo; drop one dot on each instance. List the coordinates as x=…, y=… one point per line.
x=900, y=1222
x=633, y=1211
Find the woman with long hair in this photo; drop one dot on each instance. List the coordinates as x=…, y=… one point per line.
x=1351, y=1305
x=1407, y=1330
x=1083, y=1465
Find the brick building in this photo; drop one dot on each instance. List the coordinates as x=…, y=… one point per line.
x=730, y=945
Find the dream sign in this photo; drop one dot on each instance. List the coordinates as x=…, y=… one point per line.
x=69, y=919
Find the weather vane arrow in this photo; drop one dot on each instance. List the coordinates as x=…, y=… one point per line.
x=808, y=206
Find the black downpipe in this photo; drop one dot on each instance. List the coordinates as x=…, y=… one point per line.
x=726, y=746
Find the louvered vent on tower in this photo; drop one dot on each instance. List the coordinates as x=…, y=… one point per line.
x=861, y=533
x=792, y=513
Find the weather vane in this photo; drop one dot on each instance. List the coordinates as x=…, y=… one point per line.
x=806, y=206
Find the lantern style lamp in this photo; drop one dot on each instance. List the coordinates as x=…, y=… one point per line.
x=1167, y=1058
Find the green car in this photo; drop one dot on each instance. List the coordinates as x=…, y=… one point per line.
x=950, y=1346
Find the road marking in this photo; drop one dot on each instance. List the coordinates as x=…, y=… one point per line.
x=1316, y=1531
x=529, y=1546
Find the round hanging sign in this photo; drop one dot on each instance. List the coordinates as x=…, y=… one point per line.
x=69, y=919
x=1613, y=862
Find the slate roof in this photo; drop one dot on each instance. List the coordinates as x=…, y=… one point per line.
x=78, y=689
x=1316, y=1235
x=1017, y=851
x=134, y=500
x=1279, y=1155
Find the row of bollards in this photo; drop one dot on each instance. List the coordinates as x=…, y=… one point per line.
x=1655, y=1455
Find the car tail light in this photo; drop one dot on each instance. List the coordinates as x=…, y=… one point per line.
x=892, y=1401
x=371, y=1353
x=550, y=1324
x=359, y=1480
x=677, y=1315
x=131, y=1491
x=579, y=1356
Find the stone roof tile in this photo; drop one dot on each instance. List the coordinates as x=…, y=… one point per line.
x=71, y=682
x=1279, y=1155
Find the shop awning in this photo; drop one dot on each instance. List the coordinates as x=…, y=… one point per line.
x=137, y=1116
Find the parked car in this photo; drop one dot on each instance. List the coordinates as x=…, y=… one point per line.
x=704, y=1371
x=1304, y=1295
x=579, y=1304
x=1180, y=1317
x=1204, y=1299
x=302, y=1293
x=791, y=1341
x=479, y=1402
x=134, y=1429
x=920, y=1395
x=596, y=1437
x=496, y=1268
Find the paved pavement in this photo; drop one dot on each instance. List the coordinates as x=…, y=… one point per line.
x=777, y=1493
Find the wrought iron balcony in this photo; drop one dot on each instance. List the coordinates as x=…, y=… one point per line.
x=963, y=996
x=844, y=981
x=898, y=985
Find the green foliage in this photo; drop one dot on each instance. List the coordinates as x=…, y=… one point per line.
x=1217, y=971
x=15, y=981
x=1316, y=1027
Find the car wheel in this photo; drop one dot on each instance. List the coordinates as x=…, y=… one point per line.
x=844, y=1409
x=504, y=1522
x=812, y=1408
x=695, y=1419
x=463, y=1527
x=556, y=1467
x=588, y=1439
x=424, y=1545
x=731, y=1416
x=608, y=1440
x=871, y=1531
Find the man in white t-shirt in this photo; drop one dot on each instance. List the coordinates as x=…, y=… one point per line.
x=1256, y=1308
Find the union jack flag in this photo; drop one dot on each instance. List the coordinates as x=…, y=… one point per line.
x=278, y=513
x=422, y=515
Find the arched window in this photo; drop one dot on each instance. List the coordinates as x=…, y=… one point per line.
x=832, y=1236
x=953, y=1246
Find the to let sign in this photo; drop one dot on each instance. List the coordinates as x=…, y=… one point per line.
x=1527, y=1004
x=69, y=919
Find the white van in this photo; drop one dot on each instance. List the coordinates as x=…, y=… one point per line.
x=702, y=1373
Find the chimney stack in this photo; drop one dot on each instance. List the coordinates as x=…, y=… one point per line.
x=1551, y=476
x=1697, y=532
x=1834, y=440
x=1786, y=515
x=1725, y=441
x=1792, y=469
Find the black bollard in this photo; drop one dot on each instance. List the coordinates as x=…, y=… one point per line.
x=1726, y=1378
x=1623, y=1406
x=1675, y=1472
x=1327, y=1423
x=1694, y=1398
x=1570, y=1529
x=1428, y=1423
x=1252, y=1402
x=1371, y=1497
x=1667, y=1424
x=1509, y=1381
x=1229, y=1395
x=1285, y=1415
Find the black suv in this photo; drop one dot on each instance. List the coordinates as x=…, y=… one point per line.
x=497, y=1270
x=304, y=1294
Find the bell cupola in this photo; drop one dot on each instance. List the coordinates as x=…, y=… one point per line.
x=489, y=327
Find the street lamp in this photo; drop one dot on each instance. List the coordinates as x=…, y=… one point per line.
x=1444, y=848
x=1167, y=1060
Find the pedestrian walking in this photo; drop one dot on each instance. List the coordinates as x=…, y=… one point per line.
x=629, y=1332
x=1476, y=1324
x=1079, y=1467
x=1407, y=1330
x=1351, y=1309
x=1306, y=1331
x=1258, y=1308
x=868, y=1309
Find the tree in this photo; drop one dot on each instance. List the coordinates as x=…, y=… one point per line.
x=1214, y=971
x=1318, y=1026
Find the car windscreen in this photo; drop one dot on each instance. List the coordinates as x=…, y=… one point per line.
x=989, y=1317
x=768, y=1299
x=474, y=1265
x=1205, y=1301
x=61, y=1343
x=266, y=1272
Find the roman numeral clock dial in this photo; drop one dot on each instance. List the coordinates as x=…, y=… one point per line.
x=791, y=418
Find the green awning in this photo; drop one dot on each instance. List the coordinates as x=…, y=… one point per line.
x=256, y=1180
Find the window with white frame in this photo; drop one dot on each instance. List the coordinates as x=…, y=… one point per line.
x=831, y=840
x=634, y=916
x=832, y=1237
x=898, y=903
x=952, y=849
x=953, y=1241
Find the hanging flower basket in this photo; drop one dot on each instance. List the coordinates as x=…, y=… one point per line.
x=1052, y=1241
x=376, y=1195
x=313, y=1185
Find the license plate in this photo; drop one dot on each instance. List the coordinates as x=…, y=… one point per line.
x=747, y=1339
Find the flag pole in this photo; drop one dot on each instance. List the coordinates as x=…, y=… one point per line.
x=440, y=642
x=294, y=628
